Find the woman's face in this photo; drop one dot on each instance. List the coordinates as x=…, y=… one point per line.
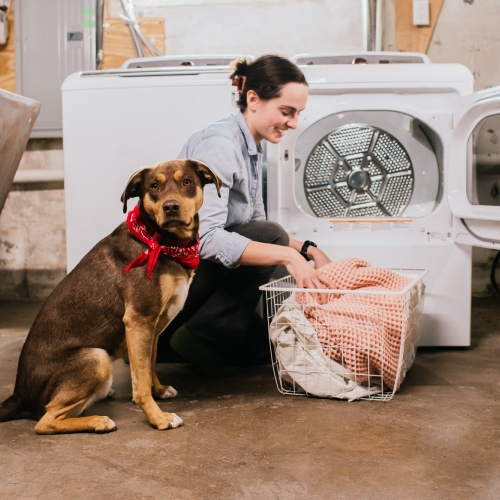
x=271, y=119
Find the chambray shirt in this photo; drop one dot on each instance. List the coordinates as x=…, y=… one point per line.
x=229, y=149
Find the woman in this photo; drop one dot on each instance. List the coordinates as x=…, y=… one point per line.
x=220, y=329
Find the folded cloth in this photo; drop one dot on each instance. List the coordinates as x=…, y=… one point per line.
x=363, y=332
x=301, y=359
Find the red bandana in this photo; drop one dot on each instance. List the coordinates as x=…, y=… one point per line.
x=185, y=254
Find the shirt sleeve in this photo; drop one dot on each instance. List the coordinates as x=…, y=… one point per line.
x=259, y=212
x=217, y=244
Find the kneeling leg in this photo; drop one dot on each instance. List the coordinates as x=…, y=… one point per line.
x=86, y=378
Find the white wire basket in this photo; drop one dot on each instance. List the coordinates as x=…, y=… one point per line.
x=345, y=344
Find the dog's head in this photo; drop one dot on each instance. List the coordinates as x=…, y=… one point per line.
x=171, y=194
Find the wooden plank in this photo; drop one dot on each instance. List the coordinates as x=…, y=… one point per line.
x=8, y=57
x=118, y=46
x=409, y=37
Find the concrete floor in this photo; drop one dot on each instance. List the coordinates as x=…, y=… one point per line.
x=438, y=438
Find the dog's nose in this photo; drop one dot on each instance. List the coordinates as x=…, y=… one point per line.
x=171, y=207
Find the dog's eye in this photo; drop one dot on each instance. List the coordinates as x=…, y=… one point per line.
x=186, y=182
x=154, y=186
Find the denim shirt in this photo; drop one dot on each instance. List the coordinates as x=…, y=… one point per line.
x=229, y=149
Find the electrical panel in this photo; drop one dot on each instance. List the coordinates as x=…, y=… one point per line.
x=421, y=13
x=54, y=38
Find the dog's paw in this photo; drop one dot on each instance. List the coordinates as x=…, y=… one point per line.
x=167, y=392
x=177, y=422
x=111, y=393
x=105, y=424
x=171, y=421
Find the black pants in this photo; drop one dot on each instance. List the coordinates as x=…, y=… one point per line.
x=221, y=302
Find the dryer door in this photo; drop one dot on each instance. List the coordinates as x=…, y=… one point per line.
x=473, y=173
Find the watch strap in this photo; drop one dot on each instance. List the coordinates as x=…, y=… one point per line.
x=305, y=246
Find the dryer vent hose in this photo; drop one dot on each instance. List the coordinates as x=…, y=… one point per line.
x=493, y=278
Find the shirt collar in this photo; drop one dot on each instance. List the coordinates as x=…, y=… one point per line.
x=253, y=148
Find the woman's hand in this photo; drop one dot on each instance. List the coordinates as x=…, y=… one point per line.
x=307, y=276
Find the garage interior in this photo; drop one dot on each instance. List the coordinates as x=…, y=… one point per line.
x=435, y=439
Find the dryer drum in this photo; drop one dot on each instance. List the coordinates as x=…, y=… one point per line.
x=358, y=171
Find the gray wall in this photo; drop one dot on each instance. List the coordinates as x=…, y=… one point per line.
x=467, y=33
x=286, y=27
x=32, y=225
x=32, y=229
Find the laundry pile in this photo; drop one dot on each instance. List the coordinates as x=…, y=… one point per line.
x=334, y=349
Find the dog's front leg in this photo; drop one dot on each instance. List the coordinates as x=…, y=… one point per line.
x=140, y=337
x=159, y=390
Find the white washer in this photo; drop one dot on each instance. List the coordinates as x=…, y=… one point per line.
x=116, y=121
x=385, y=162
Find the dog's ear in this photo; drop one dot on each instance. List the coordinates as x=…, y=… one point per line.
x=205, y=174
x=133, y=187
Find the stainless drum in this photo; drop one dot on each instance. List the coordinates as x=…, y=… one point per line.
x=384, y=168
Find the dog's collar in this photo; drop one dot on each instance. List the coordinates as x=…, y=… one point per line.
x=186, y=253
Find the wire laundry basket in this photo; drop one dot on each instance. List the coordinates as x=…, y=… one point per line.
x=348, y=344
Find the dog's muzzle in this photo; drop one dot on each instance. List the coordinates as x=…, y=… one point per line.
x=171, y=208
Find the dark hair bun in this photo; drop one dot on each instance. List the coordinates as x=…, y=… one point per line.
x=239, y=67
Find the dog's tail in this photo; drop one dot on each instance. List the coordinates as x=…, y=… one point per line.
x=10, y=408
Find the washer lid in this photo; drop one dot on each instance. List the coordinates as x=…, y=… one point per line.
x=364, y=57
x=474, y=169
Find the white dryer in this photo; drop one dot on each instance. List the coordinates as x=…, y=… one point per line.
x=397, y=164
x=385, y=162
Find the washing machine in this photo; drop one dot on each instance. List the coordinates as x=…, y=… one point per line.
x=395, y=162
x=116, y=121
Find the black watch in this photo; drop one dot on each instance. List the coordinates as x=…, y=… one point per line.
x=305, y=246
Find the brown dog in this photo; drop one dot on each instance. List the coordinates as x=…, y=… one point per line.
x=97, y=313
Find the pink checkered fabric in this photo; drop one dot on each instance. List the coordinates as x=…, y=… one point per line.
x=362, y=332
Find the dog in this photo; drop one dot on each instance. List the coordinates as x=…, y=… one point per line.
x=110, y=306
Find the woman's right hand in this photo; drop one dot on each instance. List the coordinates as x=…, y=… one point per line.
x=306, y=276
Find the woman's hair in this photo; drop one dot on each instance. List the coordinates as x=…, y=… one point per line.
x=266, y=76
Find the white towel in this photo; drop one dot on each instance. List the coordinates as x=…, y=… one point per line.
x=301, y=360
